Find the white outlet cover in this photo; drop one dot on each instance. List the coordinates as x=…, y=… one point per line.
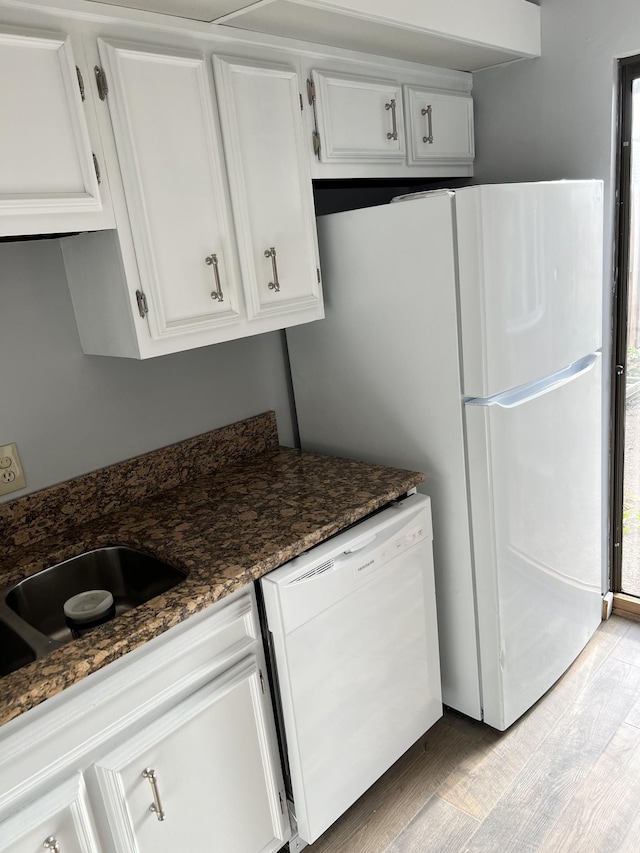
x=11, y=474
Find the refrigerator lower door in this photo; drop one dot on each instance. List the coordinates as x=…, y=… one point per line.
x=535, y=488
x=353, y=630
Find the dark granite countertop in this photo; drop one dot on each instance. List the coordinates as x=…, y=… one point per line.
x=226, y=527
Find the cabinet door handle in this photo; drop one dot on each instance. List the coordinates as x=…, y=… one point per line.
x=50, y=843
x=212, y=261
x=394, y=124
x=426, y=111
x=156, y=805
x=271, y=253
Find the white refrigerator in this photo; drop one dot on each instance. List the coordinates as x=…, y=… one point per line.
x=462, y=338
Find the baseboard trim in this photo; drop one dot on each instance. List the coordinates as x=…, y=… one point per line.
x=626, y=605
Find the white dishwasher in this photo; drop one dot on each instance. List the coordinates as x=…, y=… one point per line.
x=352, y=629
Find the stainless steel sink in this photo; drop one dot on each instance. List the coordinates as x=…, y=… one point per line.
x=14, y=651
x=33, y=610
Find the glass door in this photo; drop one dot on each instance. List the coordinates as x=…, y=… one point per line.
x=626, y=380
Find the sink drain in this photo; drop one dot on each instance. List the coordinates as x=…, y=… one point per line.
x=88, y=609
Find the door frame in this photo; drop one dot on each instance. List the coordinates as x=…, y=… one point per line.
x=628, y=71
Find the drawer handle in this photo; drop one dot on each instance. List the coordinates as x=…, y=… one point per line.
x=271, y=253
x=156, y=805
x=212, y=261
x=50, y=843
x=426, y=111
x=394, y=124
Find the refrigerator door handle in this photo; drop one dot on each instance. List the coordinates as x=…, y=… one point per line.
x=521, y=395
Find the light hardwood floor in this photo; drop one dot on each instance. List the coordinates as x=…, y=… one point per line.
x=565, y=777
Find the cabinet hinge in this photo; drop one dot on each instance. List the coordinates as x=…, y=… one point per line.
x=315, y=136
x=311, y=91
x=143, y=308
x=301, y=102
x=262, y=684
x=318, y=273
x=80, y=82
x=101, y=83
x=96, y=166
x=281, y=801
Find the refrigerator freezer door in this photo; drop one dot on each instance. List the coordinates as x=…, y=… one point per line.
x=379, y=380
x=530, y=273
x=535, y=485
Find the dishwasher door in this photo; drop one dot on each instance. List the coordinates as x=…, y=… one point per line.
x=354, y=635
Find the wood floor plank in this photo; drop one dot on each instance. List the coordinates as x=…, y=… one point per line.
x=474, y=728
x=617, y=625
x=531, y=806
x=546, y=778
x=597, y=817
x=628, y=648
x=631, y=840
x=633, y=717
x=439, y=828
x=382, y=813
x=476, y=785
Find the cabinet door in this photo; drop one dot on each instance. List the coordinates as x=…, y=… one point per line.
x=203, y=776
x=60, y=817
x=46, y=162
x=161, y=107
x=439, y=126
x=359, y=119
x=271, y=189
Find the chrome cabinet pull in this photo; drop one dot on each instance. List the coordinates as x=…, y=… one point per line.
x=426, y=111
x=50, y=843
x=156, y=805
x=271, y=253
x=212, y=261
x=394, y=124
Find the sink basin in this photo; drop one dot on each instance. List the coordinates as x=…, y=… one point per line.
x=14, y=651
x=130, y=576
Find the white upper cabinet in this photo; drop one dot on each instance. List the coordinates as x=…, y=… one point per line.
x=169, y=279
x=161, y=109
x=372, y=124
x=359, y=119
x=48, y=177
x=439, y=126
x=260, y=108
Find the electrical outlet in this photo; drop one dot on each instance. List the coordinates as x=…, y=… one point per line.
x=11, y=473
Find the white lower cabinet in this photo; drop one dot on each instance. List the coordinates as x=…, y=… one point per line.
x=171, y=748
x=199, y=777
x=59, y=821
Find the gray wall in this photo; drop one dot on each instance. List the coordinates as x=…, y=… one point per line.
x=555, y=117
x=70, y=413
